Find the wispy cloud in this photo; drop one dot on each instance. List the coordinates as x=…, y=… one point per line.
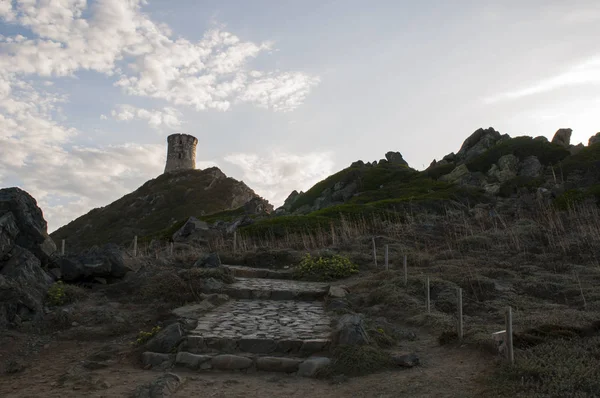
x=587, y=72
x=159, y=119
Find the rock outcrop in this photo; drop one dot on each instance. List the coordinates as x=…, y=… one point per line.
x=594, y=139
x=477, y=143
x=24, y=247
x=562, y=137
x=104, y=262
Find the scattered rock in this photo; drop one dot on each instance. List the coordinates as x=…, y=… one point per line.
x=351, y=330
x=405, y=360
x=278, y=364
x=210, y=260
x=164, y=386
x=230, y=362
x=562, y=137
x=456, y=175
x=166, y=340
x=311, y=366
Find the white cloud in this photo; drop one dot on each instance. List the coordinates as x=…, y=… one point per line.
x=114, y=38
x=167, y=118
x=275, y=176
x=587, y=72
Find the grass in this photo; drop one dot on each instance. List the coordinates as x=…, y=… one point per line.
x=357, y=360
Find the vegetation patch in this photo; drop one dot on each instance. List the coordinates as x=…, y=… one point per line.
x=61, y=293
x=144, y=337
x=325, y=268
x=558, y=368
x=435, y=172
x=514, y=185
x=279, y=227
x=586, y=160
x=522, y=147
x=572, y=197
x=357, y=360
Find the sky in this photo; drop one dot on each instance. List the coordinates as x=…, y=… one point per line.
x=279, y=93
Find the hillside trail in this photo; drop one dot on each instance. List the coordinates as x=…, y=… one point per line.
x=53, y=368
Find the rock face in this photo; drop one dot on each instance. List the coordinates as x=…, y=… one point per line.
x=24, y=247
x=594, y=139
x=562, y=137
x=30, y=222
x=104, y=262
x=395, y=158
x=480, y=141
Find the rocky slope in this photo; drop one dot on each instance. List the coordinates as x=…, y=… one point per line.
x=490, y=168
x=155, y=206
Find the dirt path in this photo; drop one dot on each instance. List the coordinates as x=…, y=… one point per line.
x=56, y=372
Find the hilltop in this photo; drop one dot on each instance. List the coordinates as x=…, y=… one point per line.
x=156, y=205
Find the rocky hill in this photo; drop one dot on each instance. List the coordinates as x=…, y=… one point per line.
x=155, y=206
x=490, y=171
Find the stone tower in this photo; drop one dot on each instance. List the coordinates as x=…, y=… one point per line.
x=181, y=152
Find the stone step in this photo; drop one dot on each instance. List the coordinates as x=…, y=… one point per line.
x=262, y=327
x=264, y=273
x=275, y=289
x=307, y=367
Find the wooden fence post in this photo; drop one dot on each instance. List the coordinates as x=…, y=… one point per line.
x=509, y=336
x=428, y=296
x=387, y=266
x=374, y=252
x=460, y=314
x=135, y=246
x=405, y=262
x=62, y=248
x=171, y=246
x=234, y=242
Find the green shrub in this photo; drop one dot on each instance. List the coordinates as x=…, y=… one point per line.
x=278, y=227
x=547, y=153
x=61, y=293
x=439, y=170
x=588, y=159
x=325, y=268
x=357, y=360
x=143, y=337
x=572, y=197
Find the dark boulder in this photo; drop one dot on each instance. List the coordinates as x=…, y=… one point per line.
x=477, y=143
x=30, y=222
x=395, y=158
x=562, y=137
x=97, y=262
x=210, y=260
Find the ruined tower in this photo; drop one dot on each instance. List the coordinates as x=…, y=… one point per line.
x=181, y=152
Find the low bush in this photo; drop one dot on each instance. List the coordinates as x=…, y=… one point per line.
x=144, y=337
x=325, y=268
x=61, y=293
x=357, y=360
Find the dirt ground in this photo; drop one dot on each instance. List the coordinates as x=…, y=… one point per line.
x=54, y=368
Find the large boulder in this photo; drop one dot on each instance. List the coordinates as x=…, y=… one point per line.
x=258, y=205
x=350, y=330
x=594, y=139
x=506, y=168
x=8, y=233
x=456, y=175
x=562, y=137
x=97, y=262
x=23, y=287
x=30, y=222
x=477, y=143
x=531, y=167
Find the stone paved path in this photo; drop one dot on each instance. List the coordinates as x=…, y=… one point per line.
x=266, y=316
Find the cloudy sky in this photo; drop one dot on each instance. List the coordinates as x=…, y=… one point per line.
x=280, y=93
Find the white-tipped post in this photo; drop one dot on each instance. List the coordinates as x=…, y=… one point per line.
x=135, y=246
x=509, y=336
x=387, y=266
x=62, y=248
x=374, y=252
x=460, y=314
x=427, y=295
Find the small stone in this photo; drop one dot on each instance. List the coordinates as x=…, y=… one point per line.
x=337, y=292
x=230, y=362
x=405, y=360
x=311, y=366
x=74, y=324
x=314, y=345
x=166, y=340
x=191, y=361
x=277, y=364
